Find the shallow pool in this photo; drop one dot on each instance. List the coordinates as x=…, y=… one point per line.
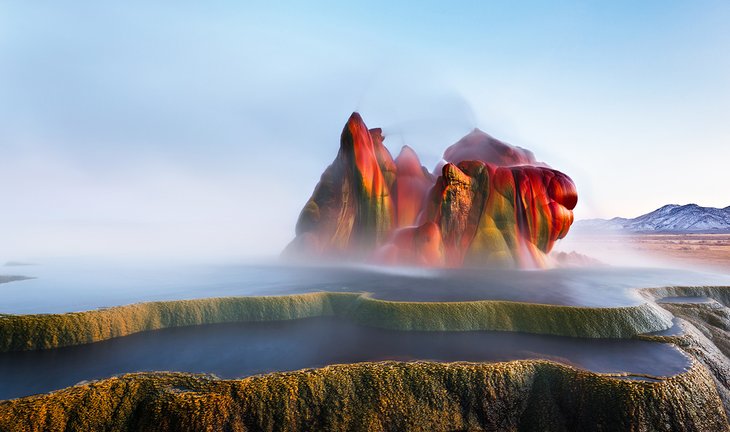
x=244, y=349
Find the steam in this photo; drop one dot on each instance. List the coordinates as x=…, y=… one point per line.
x=54, y=207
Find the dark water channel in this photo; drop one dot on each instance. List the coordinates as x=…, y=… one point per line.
x=244, y=349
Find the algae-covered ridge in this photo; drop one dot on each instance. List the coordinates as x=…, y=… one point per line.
x=522, y=395
x=43, y=331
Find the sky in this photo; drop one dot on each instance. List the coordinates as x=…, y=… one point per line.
x=199, y=129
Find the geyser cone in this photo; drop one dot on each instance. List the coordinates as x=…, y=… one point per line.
x=350, y=211
x=492, y=204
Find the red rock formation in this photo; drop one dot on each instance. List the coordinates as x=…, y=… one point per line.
x=412, y=183
x=350, y=211
x=500, y=216
x=493, y=204
x=414, y=245
x=481, y=146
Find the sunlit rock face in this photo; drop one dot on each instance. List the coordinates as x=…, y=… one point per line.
x=351, y=211
x=492, y=204
x=500, y=216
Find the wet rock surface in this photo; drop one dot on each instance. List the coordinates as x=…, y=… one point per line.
x=490, y=204
x=517, y=395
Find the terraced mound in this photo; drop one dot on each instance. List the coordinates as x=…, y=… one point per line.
x=516, y=395
x=523, y=395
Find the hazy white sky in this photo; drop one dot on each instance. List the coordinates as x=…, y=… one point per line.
x=199, y=130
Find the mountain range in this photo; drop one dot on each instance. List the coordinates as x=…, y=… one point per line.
x=671, y=218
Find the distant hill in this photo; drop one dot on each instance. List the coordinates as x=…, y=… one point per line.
x=6, y=279
x=672, y=218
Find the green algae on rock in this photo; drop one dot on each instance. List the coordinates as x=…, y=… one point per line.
x=43, y=331
x=421, y=396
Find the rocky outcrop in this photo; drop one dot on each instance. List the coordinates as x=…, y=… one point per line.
x=500, y=216
x=703, y=328
x=492, y=204
x=387, y=396
x=351, y=209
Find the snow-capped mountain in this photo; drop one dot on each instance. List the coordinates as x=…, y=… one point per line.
x=670, y=218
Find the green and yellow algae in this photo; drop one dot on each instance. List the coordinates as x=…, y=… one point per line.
x=43, y=331
x=521, y=395
x=419, y=396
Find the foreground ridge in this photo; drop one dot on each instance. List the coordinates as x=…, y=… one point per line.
x=421, y=396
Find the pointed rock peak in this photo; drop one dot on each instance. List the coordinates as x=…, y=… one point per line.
x=355, y=118
x=408, y=154
x=478, y=133
x=408, y=162
x=355, y=134
x=356, y=125
x=407, y=151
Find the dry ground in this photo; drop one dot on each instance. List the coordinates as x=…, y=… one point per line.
x=711, y=250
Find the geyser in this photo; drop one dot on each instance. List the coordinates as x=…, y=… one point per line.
x=487, y=204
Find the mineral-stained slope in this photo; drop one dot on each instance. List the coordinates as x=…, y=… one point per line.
x=705, y=330
x=492, y=204
x=522, y=395
x=351, y=210
x=45, y=331
x=392, y=396
x=410, y=188
x=492, y=215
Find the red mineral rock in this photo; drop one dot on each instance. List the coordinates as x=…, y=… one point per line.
x=492, y=204
x=412, y=183
x=351, y=210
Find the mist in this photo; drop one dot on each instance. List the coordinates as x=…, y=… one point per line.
x=183, y=131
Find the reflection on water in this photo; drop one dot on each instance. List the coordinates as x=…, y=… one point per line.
x=238, y=350
x=68, y=285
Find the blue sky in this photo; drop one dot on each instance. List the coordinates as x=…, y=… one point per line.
x=191, y=129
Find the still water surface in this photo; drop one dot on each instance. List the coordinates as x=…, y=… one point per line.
x=244, y=349
x=68, y=285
